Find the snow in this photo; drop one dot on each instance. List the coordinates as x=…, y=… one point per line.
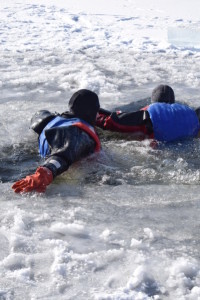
x=123, y=224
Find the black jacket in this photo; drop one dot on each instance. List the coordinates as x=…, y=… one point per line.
x=67, y=144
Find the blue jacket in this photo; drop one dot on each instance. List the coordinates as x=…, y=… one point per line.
x=173, y=121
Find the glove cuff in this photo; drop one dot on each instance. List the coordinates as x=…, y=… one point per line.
x=46, y=174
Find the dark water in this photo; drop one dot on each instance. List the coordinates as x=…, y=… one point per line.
x=18, y=160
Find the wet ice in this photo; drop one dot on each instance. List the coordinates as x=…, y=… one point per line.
x=123, y=224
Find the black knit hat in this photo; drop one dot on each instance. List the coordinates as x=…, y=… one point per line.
x=84, y=104
x=163, y=93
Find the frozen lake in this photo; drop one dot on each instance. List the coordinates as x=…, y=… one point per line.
x=119, y=225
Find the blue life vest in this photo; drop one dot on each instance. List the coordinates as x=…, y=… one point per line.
x=58, y=121
x=173, y=121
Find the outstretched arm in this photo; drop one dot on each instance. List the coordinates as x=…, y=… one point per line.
x=137, y=122
x=67, y=146
x=35, y=182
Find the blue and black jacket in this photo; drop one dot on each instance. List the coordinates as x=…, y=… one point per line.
x=162, y=121
x=63, y=139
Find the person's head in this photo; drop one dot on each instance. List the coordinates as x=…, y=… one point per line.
x=84, y=104
x=163, y=93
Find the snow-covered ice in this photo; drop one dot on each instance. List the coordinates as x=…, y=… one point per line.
x=123, y=224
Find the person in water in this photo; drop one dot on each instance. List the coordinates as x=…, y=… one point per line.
x=162, y=120
x=136, y=121
x=63, y=139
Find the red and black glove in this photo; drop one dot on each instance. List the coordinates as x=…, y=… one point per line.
x=36, y=182
x=102, y=117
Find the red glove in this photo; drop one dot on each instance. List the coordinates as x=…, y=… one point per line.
x=101, y=117
x=100, y=120
x=36, y=182
x=154, y=144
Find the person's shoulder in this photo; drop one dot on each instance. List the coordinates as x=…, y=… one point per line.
x=40, y=119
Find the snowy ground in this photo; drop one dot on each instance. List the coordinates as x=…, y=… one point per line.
x=123, y=224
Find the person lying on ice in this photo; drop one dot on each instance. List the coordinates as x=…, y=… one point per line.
x=136, y=121
x=163, y=120
x=63, y=139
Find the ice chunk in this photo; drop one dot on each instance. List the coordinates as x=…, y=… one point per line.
x=184, y=37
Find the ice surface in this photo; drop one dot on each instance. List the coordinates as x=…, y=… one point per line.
x=123, y=224
x=184, y=37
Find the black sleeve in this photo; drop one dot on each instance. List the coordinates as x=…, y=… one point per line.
x=136, y=118
x=104, y=112
x=68, y=144
x=40, y=120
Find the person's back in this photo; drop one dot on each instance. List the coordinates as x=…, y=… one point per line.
x=64, y=138
x=171, y=122
x=136, y=122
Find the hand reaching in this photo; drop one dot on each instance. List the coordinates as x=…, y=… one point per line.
x=35, y=182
